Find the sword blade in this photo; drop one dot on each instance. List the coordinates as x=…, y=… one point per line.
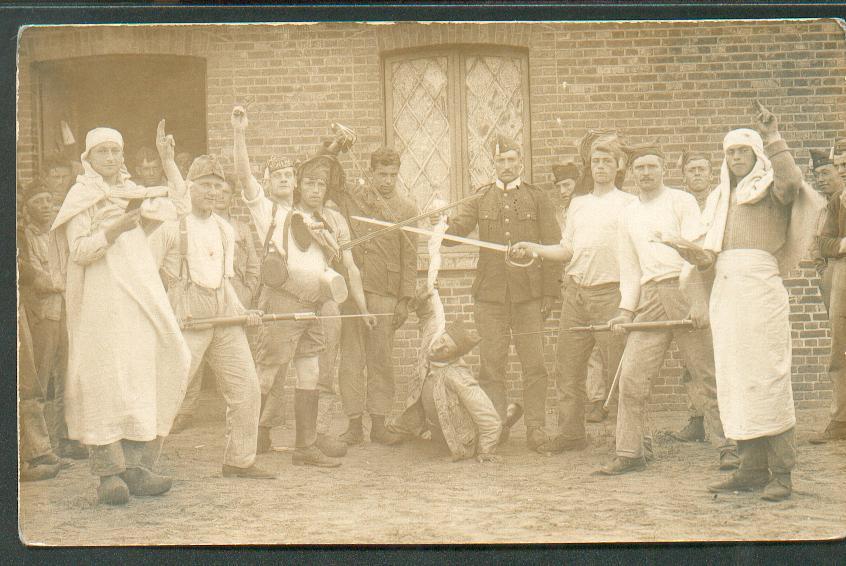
x=461, y=239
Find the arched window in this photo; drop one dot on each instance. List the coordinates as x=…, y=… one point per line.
x=445, y=105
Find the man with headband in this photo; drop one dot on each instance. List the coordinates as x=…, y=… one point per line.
x=832, y=246
x=297, y=341
x=761, y=220
x=128, y=363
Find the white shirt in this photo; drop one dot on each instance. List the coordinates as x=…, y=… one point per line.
x=260, y=209
x=672, y=214
x=590, y=235
x=512, y=185
x=205, y=251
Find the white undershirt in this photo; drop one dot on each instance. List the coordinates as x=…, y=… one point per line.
x=205, y=251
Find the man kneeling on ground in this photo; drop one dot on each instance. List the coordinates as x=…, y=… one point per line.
x=445, y=398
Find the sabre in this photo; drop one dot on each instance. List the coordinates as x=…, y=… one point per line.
x=240, y=320
x=506, y=249
x=390, y=227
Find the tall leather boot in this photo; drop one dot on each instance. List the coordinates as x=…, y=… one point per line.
x=305, y=414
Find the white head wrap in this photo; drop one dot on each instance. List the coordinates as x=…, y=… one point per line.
x=749, y=190
x=101, y=135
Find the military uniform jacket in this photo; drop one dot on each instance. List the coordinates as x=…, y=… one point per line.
x=388, y=263
x=520, y=214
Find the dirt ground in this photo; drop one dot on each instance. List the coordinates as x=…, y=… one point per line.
x=413, y=493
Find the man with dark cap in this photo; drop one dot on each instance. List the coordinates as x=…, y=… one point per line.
x=832, y=247
x=306, y=259
x=195, y=255
x=650, y=292
x=444, y=398
x=565, y=176
x=838, y=156
x=388, y=265
x=509, y=298
x=305, y=341
x=45, y=306
x=829, y=184
x=588, y=247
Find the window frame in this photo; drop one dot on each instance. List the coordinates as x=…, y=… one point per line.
x=457, y=54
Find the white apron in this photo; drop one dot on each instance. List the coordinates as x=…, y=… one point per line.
x=750, y=324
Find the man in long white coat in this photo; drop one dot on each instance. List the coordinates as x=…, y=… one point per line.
x=128, y=363
x=761, y=216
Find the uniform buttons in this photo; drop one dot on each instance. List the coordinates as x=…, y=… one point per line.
x=507, y=220
x=505, y=207
x=508, y=234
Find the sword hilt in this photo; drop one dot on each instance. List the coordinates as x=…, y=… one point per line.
x=518, y=263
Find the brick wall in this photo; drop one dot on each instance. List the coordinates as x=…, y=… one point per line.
x=685, y=82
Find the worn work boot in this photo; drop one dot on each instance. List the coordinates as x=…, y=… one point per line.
x=142, y=481
x=252, y=472
x=380, y=434
x=305, y=415
x=331, y=446
x=693, y=431
x=39, y=472
x=835, y=430
x=535, y=438
x=729, y=459
x=559, y=444
x=72, y=449
x=181, y=423
x=512, y=414
x=112, y=491
x=622, y=465
x=741, y=481
x=354, y=433
x=263, y=442
x=779, y=488
x=596, y=413
x=50, y=459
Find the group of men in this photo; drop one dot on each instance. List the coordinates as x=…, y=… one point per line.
x=138, y=284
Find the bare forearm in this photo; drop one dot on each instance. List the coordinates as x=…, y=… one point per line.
x=356, y=287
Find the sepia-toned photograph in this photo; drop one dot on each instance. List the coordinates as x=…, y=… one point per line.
x=431, y=282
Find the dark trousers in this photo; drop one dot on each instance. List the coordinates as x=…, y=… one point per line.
x=837, y=364
x=774, y=453
x=583, y=306
x=494, y=321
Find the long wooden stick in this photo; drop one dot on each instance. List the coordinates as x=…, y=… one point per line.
x=240, y=320
x=630, y=326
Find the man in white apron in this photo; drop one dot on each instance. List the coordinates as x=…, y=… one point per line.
x=127, y=363
x=761, y=220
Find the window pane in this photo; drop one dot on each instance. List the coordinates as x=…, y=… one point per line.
x=420, y=124
x=494, y=96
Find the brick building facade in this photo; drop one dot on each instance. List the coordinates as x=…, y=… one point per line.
x=438, y=92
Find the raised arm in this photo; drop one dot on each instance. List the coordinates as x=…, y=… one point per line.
x=167, y=152
x=245, y=176
x=787, y=177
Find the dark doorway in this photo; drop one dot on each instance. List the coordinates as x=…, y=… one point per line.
x=130, y=93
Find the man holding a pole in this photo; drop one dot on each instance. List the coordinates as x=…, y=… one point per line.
x=649, y=289
x=196, y=257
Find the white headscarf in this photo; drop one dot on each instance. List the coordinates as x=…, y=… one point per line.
x=750, y=189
